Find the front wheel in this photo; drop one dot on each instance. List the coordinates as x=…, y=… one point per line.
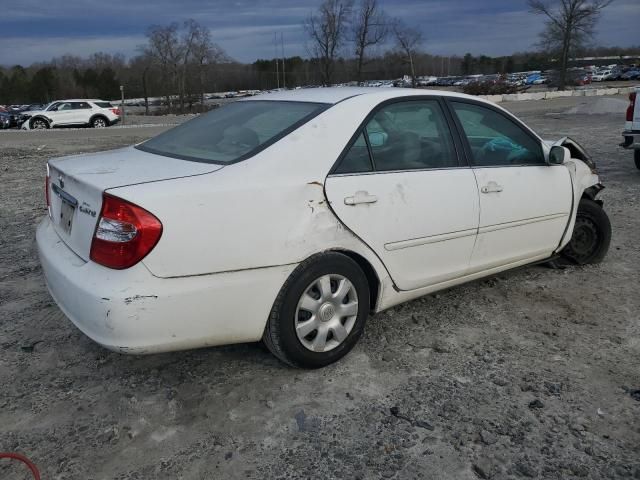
x=636, y=157
x=320, y=312
x=39, y=124
x=591, y=235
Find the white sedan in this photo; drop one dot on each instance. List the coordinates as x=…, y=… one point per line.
x=290, y=217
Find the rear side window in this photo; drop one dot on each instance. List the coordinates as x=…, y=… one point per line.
x=407, y=135
x=103, y=104
x=496, y=140
x=233, y=132
x=80, y=105
x=357, y=159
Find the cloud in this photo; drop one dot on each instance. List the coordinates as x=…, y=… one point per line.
x=35, y=30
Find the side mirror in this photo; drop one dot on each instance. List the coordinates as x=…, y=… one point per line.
x=558, y=155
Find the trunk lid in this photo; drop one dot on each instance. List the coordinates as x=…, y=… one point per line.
x=76, y=184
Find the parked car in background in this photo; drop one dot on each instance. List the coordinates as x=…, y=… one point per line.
x=532, y=78
x=76, y=112
x=633, y=74
x=307, y=211
x=9, y=119
x=6, y=120
x=631, y=131
x=601, y=76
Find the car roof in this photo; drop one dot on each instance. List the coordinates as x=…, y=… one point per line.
x=79, y=100
x=333, y=95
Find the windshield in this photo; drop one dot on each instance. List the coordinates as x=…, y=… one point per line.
x=234, y=132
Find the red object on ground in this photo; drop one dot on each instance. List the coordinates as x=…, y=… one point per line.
x=23, y=459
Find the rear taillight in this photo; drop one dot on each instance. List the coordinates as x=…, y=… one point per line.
x=125, y=234
x=115, y=111
x=632, y=105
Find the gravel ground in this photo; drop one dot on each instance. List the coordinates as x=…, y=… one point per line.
x=533, y=373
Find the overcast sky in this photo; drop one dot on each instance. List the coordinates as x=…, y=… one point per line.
x=37, y=30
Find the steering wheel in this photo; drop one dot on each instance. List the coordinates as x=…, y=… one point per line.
x=503, y=146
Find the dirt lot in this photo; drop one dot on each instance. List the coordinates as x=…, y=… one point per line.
x=531, y=374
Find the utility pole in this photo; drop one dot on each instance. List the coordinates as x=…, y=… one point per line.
x=122, y=103
x=275, y=44
x=284, y=82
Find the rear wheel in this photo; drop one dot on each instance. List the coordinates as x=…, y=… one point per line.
x=636, y=157
x=320, y=312
x=99, y=122
x=591, y=235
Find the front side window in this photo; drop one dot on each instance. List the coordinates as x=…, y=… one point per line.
x=495, y=140
x=410, y=135
x=407, y=135
x=233, y=132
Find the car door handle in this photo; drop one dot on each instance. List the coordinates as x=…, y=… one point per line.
x=491, y=187
x=360, y=197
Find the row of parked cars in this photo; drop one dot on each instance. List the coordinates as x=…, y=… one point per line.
x=60, y=113
x=616, y=72
x=577, y=76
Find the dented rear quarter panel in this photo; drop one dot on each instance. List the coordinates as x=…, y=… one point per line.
x=266, y=211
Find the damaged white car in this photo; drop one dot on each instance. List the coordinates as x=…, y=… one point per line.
x=290, y=217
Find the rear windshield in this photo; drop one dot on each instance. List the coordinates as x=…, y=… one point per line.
x=104, y=104
x=233, y=132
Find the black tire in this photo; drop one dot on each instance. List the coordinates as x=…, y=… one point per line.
x=636, y=158
x=591, y=235
x=39, y=124
x=280, y=333
x=99, y=122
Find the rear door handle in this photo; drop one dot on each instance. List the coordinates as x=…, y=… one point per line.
x=491, y=187
x=360, y=197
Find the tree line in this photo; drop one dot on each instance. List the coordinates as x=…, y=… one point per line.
x=347, y=41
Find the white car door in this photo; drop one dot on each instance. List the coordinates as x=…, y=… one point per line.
x=401, y=188
x=525, y=203
x=63, y=114
x=81, y=113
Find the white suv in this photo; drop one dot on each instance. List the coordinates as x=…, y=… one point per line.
x=601, y=76
x=62, y=113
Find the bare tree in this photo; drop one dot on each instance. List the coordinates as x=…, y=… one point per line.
x=193, y=33
x=369, y=29
x=569, y=24
x=140, y=68
x=327, y=29
x=204, y=55
x=408, y=40
x=165, y=48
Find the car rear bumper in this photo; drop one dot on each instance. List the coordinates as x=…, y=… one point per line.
x=131, y=311
x=631, y=139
